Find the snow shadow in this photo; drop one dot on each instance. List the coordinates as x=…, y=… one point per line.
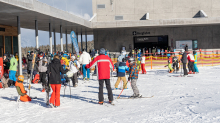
x=80, y=98
x=39, y=101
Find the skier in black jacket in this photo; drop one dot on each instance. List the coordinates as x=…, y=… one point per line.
x=184, y=61
x=54, y=70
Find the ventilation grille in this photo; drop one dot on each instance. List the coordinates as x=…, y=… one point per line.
x=118, y=17
x=101, y=6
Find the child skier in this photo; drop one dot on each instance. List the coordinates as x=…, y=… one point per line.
x=195, y=62
x=122, y=68
x=170, y=63
x=21, y=90
x=175, y=63
x=143, y=64
x=133, y=76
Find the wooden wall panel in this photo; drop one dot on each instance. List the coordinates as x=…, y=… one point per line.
x=9, y=31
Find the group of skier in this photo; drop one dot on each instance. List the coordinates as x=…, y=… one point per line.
x=53, y=70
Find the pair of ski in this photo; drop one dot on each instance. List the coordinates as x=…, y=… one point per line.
x=134, y=97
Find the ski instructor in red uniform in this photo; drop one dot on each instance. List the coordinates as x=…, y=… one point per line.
x=104, y=65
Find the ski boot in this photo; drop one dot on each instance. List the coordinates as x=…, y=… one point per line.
x=101, y=103
x=87, y=79
x=190, y=72
x=117, y=88
x=43, y=90
x=111, y=102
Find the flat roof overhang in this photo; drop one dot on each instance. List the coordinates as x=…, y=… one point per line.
x=31, y=10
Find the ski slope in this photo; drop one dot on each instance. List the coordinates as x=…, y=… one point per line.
x=176, y=99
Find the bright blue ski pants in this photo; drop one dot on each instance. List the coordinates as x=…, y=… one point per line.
x=86, y=71
x=196, y=68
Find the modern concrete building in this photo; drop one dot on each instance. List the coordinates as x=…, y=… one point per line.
x=117, y=23
x=156, y=23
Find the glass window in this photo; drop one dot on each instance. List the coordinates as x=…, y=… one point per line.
x=1, y=46
x=8, y=44
x=195, y=45
x=15, y=45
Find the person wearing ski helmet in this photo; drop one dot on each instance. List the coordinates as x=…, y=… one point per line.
x=104, y=66
x=133, y=76
x=21, y=90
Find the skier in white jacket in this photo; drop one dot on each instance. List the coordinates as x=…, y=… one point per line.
x=74, y=67
x=84, y=60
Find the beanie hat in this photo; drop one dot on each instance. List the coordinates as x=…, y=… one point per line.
x=102, y=51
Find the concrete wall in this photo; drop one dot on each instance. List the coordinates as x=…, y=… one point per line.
x=158, y=9
x=113, y=39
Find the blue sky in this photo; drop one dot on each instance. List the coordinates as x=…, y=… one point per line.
x=82, y=8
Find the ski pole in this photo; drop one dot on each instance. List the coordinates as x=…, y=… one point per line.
x=122, y=90
x=64, y=91
x=70, y=89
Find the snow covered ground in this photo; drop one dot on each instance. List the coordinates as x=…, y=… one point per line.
x=176, y=99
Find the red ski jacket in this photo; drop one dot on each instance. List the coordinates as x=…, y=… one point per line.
x=103, y=64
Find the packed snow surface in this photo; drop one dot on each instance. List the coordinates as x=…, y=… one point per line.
x=176, y=99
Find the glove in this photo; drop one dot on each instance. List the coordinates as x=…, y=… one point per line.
x=129, y=78
x=87, y=66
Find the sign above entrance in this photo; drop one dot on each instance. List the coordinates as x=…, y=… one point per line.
x=140, y=33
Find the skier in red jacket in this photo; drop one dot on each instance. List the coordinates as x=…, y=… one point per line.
x=104, y=66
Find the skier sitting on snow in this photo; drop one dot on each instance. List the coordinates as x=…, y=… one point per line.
x=191, y=60
x=122, y=68
x=21, y=90
x=133, y=76
x=175, y=63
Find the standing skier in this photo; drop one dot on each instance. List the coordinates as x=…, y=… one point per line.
x=104, y=66
x=195, y=62
x=42, y=70
x=190, y=58
x=143, y=64
x=74, y=67
x=13, y=68
x=122, y=68
x=84, y=60
x=133, y=76
x=54, y=70
x=184, y=61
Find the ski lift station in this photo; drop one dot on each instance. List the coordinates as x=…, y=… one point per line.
x=116, y=24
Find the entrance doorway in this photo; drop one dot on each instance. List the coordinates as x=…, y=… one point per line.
x=151, y=42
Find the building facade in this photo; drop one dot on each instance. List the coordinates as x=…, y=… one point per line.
x=8, y=40
x=161, y=36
